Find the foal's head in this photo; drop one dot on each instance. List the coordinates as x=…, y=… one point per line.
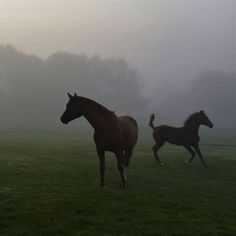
x=72, y=111
x=198, y=118
x=204, y=120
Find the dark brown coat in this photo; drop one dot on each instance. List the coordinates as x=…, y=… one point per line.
x=187, y=136
x=111, y=133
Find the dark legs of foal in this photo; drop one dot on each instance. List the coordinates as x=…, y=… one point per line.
x=196, y=148
x=192, y=153
x=155, y=148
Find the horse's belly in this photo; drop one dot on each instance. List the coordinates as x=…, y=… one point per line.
x=108, y=143
x=179, y=140
x=176, y=142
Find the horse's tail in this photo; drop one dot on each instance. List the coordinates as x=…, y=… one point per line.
x=151, y=119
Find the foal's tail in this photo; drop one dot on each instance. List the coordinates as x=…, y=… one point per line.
x=151, y=119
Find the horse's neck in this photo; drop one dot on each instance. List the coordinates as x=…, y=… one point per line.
x=193, y=128
x=96, y=118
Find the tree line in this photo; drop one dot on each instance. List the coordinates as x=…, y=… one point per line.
x=34, y=90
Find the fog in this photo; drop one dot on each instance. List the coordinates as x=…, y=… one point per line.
x=173, y=57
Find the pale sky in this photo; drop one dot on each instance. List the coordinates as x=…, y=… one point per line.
x=165, y=40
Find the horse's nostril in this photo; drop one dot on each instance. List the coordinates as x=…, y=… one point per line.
x=211, y=126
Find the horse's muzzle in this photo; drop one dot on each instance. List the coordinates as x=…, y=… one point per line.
x=63, y=121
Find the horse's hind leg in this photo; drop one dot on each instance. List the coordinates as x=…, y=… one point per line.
x=192, y=153
x=155, y=148
x=120, y=164
x=127, y=157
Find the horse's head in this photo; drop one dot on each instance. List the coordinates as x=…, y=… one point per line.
x=72, y=111
x=204, y=120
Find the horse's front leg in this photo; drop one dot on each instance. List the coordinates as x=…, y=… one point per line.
x=192, y=153
x=120, y=163
x=197, y=149
x=101, y=155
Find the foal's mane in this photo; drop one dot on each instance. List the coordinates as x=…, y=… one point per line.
x=96, y=106
x=191, y=118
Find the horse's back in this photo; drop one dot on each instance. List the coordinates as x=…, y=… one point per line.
x=174, y=135
x=165, y=133
x=130, y=131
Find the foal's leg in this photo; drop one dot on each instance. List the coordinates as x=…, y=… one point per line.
x=192, y=153
x=127, y=157
x=155, y=148
x=101, y=155
x=120, y=164
x=196, y=148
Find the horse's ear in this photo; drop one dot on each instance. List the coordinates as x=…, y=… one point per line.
x=75, y=94
x=69, y=95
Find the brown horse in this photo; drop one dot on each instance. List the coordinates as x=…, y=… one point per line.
x=187, y=136
x=112, y=133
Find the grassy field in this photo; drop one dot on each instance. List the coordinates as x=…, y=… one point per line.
x=49, y=185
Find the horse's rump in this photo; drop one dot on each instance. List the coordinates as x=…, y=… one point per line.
x=130, y=131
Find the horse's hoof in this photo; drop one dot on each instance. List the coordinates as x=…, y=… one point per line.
x=123, y=185
x=162, y=163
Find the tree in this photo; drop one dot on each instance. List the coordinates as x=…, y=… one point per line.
x=34, y=90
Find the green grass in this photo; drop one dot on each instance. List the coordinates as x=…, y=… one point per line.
x=49, y=185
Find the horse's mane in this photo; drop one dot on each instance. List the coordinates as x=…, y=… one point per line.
x=96, y=106
x=191, y=118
